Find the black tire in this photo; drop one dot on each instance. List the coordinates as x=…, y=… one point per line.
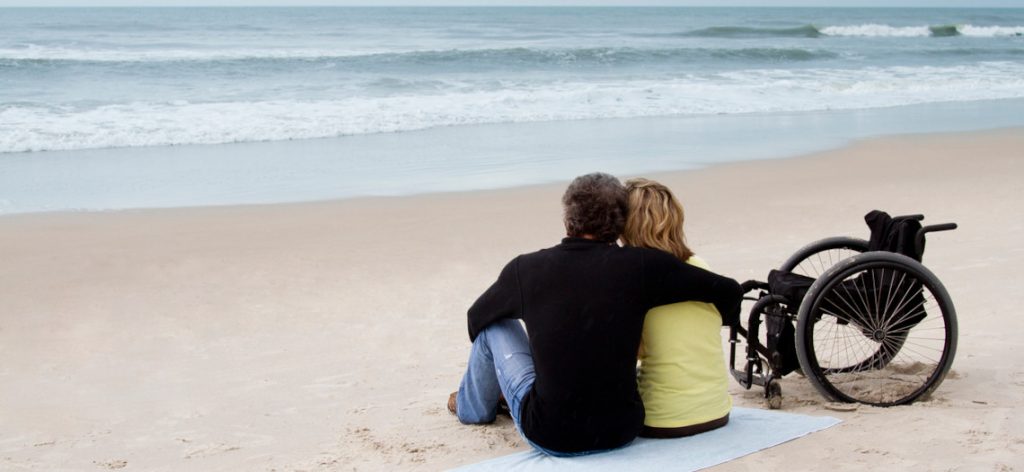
x=877, y=328
x=815, y=258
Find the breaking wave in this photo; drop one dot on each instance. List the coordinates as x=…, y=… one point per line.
x=26, y=126
x=863, y=30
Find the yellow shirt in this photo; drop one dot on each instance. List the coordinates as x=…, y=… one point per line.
x=682, y=377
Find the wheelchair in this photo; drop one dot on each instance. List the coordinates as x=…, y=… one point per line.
x=863, y=320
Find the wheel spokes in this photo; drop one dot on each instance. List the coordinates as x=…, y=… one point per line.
x=876, y=336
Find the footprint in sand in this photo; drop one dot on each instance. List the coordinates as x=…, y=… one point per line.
x=112, y=465
x=209, y=450
x=1018, y=379
x=976, y=438
x=389, y=451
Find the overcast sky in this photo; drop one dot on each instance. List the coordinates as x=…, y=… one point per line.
x=866, y=3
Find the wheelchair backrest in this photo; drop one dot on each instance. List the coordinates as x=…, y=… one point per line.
x=899, y=235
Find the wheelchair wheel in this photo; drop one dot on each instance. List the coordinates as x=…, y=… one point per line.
x=815, y=258
x=877, y=328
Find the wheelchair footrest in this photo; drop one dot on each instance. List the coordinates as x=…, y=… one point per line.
x=742, y=376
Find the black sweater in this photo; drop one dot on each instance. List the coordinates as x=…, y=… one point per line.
x=584, y=303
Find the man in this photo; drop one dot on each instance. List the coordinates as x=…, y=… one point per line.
x=571, y=384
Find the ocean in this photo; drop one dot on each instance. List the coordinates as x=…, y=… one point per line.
x=99, y=106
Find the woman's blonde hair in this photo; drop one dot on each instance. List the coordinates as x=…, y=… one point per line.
x=655, y=219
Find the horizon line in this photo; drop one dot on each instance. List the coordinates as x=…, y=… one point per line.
x=315, y=5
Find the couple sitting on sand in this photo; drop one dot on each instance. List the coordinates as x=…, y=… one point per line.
x=589, y=306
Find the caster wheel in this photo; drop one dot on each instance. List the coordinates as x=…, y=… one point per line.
x=773, y=395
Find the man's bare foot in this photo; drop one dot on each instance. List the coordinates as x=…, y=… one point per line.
x=452, y=406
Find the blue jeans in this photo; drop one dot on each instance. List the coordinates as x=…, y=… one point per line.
x=500, y=362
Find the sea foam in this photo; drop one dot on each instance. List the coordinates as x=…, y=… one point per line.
x=881, y=30
x=28, y=127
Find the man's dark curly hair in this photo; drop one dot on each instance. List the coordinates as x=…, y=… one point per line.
x=595, y=204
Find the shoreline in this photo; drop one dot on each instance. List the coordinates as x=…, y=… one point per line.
x=327, y=335
x=412, y=198
x=453, y=159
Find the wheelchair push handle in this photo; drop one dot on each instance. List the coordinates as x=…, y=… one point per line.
x=919, y=239
x=926, y=229
x=917, y=217
x=942, y=227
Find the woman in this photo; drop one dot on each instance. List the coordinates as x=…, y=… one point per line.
x=682, y=376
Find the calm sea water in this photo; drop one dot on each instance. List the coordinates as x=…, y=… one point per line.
x=99, y=78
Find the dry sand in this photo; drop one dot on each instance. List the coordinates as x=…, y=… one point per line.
x=327, y=336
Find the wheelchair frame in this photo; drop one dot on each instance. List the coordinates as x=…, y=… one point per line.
x=848, y=262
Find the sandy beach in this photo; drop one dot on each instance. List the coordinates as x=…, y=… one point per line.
x=327, y=335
